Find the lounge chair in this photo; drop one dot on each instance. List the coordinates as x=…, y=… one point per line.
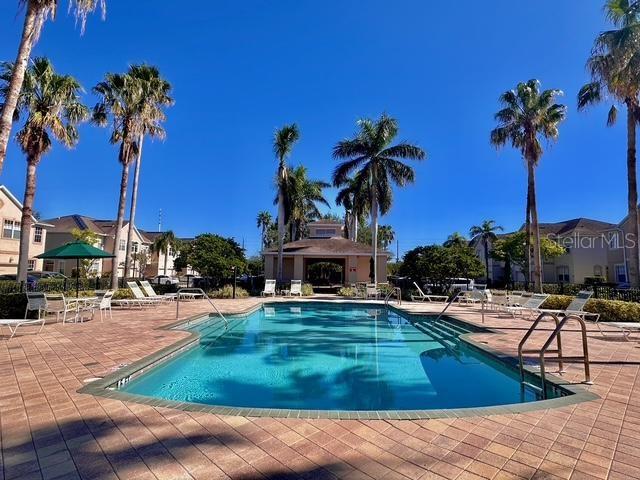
x=296, y=288
x=139, y=299
x=372, y=291
x=151, y=293
x=576, y=307
x=531, y=306
x=14, y=324
x=269, y=288
x=422, y=297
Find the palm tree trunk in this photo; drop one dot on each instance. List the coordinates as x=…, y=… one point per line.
x=537, y=257
x=279, y=271
x=134, y=204
x=121, y=206
x=632, y=196
x=486, y=259
x=355, y=227
x=27, y=216
x=527, y=242
x=30, y=32
x=166, y=259
x=374, y=230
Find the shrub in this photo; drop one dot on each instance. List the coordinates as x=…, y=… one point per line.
x=609, y=310
x=122, y=294
x=227, y=292
x=347, y=292
x=307, y=289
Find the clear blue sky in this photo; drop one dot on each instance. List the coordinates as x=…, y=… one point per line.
x=241, y=69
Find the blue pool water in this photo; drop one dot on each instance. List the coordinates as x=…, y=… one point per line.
x=318, y=356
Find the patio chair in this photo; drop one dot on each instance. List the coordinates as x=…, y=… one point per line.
x=269, y=288
x=372, y=291
x=58, y=304
x=296, y=288
x=531, y=306
x=36, y=301
x=151, y=293
x=103, y=305
x=422, y=297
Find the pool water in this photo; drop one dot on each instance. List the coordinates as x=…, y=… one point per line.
x=319, y=356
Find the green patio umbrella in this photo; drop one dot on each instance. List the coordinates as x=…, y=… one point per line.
x=76, y=250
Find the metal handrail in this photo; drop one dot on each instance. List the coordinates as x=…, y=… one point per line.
x=521, y=350
x=398, y=293
x=199, y=290
x=449, y=304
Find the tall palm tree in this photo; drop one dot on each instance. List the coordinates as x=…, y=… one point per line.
x=163, y=243
x=283, y=141
x=377, y=163
x=456, y=239
x=154, y=97
x=51, y=103
x=614, y=66
x=263, y=222
x=486, y=232
x=528, y=116
x=386, y=236
x=119, y=104
x=303, y=195
x=355, y=198
x=37, y=12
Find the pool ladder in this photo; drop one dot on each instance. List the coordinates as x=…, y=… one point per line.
x=541, y=352
x=205, y=296
x=398, y=294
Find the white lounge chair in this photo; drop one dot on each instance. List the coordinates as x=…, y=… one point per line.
x=372, y=291
x=531, y=306
x=269, y=288
x=296, y=288
x=576, y=307
x=151, y=293
x=139, y=299
x=14, y=324
x=422, y=297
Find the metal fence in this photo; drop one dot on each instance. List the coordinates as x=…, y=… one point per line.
x=603, y=292
x=59, y=285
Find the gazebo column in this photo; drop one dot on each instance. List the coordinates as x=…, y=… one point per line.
x=351, y=274
x=298, y=267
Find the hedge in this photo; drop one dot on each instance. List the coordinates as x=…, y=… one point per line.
x=609, y=310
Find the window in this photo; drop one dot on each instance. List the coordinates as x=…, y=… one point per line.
x=620, y=273
x=31, y=265
x=325, y=232
x=123, y=244
x=48, y=266
x=134, y=247
x=37, y=235
x=61, y=266
x=170, y=251
x=11, y=229
x=597, y=270
x=563, y=274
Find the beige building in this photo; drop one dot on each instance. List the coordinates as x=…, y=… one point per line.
x=60, y=234
x=156, y=265
x=326, y=244
x=11, y=215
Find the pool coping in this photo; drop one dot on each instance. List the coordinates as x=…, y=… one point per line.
x=106, y=387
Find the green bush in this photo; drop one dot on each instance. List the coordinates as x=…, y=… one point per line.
x=122, y=294
x=347, y=292
x=307, y=289
x=609, y=310
x=227, y=292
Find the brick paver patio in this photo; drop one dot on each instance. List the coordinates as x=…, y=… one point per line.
x=48, y=430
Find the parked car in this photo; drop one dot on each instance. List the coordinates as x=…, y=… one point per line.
x=32, y=281
x=56, y=275
x=164, y=280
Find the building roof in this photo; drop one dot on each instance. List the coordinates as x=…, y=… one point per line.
x=581, y=226
x=18, y=204
x=67, y=223
x=325, y=222
x=325, y=246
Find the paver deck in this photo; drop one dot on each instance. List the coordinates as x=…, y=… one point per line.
x=49, y=431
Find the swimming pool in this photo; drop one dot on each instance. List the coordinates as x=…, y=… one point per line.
x=346, y=357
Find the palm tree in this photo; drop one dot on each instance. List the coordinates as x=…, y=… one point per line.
x=486, y=232
x=263, y=222
x=614, y=66
x=386, y=236
x=283, y=142
x=163, y=243
x=53, y=108
x=155, y=95
x=527, y=116
x=303, y=195
x=371, y=154
x=456, y=239
x=355, y=198
x=119, y=103
x=37, y=12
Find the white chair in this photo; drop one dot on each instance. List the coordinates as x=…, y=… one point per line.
x=103, y=305
x=36, y=301
x=140, y=296
x=269, y=288
x=58, y=304
x=296, y=288
x=531, y=306
x=372, y=291
x=422, y=297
